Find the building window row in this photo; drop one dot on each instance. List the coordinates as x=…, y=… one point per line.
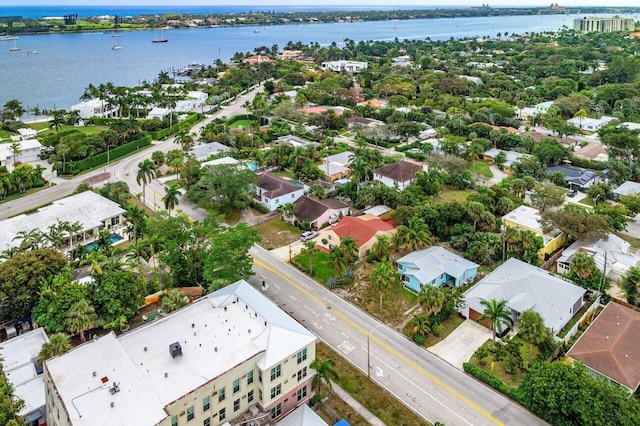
x=302, y=355
x=302, y=373
x=302, y=393
x=276, y=372
x=276, y=391
x=276, y=411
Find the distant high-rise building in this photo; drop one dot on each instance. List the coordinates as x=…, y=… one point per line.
x=603, y=25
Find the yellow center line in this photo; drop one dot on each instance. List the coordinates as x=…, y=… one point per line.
x=386, y=347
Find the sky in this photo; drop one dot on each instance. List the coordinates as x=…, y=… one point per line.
x=359, y=3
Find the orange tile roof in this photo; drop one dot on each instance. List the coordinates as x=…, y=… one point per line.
x=361, y=230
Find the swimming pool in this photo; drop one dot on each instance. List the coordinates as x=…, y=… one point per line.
x=252, y=166
x=114, y=239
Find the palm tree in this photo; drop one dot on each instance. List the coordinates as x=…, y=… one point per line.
x=581, y=114
x=57, y=120
x=310, y=249
x=16, y=150
x=170, y=198
x=531, y=328
x=415, y=235
x=58, y=344
x=349, y=249
x=185, y=139
x=497, y=312
x=135, y=215
x=380, y=249
x=146, y=172
x=287, y=211
x=80, y=317
x=583, y=265
x=63, y=150
x=137, y=252
x=431, y=299
x=338, y=260
x=324, y=372
x=383, y=276
x=420, y=326
x=172, y=299
x=158, y=158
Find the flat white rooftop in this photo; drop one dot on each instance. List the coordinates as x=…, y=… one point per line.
x=88, y=208
x=17, y=365
x=529, y=217
x=216, y=333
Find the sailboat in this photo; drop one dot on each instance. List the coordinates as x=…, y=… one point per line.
x=161, y=39
x=15, y=48
x=116, y=46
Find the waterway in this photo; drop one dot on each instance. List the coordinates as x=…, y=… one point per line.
x=65, y=64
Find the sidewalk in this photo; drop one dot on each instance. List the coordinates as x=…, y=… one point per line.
x=359, y=408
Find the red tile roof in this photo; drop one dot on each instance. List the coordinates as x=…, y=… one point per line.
x=610, y=345
x=361, y=230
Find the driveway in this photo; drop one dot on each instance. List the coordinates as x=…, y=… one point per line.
x=458, y=347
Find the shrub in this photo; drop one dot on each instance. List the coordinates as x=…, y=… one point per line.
x=487, y=378
x=259, y=206
x=418, y=338
x=97, y=160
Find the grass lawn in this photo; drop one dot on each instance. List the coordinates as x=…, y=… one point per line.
x=87, y=130
x=480, y=168
x=232, y=217
x=588, y=201
x=39, y=125
x=448, y=326
x=450, y=195
x=373, y=397
x=277, y=233
x=498, y=370
x=5, y=135
x=321, y=265
x=283, y=173
x=244, y=123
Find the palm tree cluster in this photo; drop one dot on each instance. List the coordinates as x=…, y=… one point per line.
x=57, y=236
x=22, y=178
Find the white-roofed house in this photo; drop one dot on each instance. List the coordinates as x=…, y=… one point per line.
x=351, y=67
x=525, y=287
x=627, y=188
x=95, y=108
x=21, y=366
x=336, y=166
x=590, y=124
x=158, y=113
x=510, y=157
x=27, y=133
x=302, y=416
x=528, y=218
x=619, y=255
x=204, y=151
x=435, y=266
x=230, y=354
x=30, y=151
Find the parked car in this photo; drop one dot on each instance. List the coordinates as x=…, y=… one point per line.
x=571, y=193
x=306, y=236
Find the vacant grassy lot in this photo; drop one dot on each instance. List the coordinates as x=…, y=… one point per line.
x=276, y=233
x=481, y=168
x=373, y=397
x=245, y=124
x=87, y=130
x=449, y=195
x=321, y=267
x=496, y=368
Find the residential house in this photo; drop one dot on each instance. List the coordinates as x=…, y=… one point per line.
x=374, y=103
x=158, y=112
x=592, y=151
x=435, y=266
x=257, y=59
x=618, y=253
x=329, y=187
x=609, y=346
x=274, y=191
x=576, y=177
x=296, y=142
x=337, y=110
x=528, y=218
x=526, y=114
x=27, y=133
x=590, y=124
x=510, y=157
x=403, y=61
x=220, y=161
x=627, y=188
x=336, y=166
x=538, y=137
x=525, y=287
x=91, y=210
x=363, y=229
x=475, y=80
x=29, y=151
x=319, y=212
x=630, y=125
x=202, y=152
x=95, y=108
x=252, y=359
x=398, y=175
x=21, y=366
x=543, y=107
x=291, y=54
x=366, y=122
x=377, y=211
x=351, y=67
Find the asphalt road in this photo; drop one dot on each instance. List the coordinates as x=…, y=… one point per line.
x=428, y=385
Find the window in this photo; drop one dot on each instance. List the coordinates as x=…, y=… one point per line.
x=174, y=421
x=250, y=396
x=260, y=394
x=302, y=355
x=275, y=391
x=302, y=393
x=221, y=395
x=276, y=411
x=236, y=405
x=276, y=372
x=207, y=422
x=260, y=376
x=191, y=413
x=236, y=386
x=302, y=373
x=222, y=414
x=206, y=403
x=250, y=377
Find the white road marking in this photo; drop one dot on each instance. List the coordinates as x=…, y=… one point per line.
x=379, y=372
x=317, y=325
x=326, y=321
x=306, y=307
x=346, y=347
x=292, y=297
x=344, y=334
x=330, y=316
x=277, y=286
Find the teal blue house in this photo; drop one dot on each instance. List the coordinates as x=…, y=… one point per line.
x=435, y=266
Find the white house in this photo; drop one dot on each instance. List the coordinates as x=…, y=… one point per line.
x=543, y=107
x=204, y=151
x=95, y=108
x=158, y=113
x=627, y=188
x=590, y=124
x=352, y=67
x=21, y=366
x=398, y=175
x=27, y=133
x=475, y=80
x=274, y=191
x=30, y=151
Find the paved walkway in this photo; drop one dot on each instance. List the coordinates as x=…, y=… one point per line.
x=458, y=347
x=359, y=408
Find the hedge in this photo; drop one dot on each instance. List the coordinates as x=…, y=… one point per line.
x=99, y=121
x=97, y=160
x=239, y=117
x=161, y=134
x=491, y=380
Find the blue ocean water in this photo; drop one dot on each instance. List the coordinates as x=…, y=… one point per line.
x=67, y=63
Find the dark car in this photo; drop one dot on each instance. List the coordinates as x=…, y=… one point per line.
x=571, y=193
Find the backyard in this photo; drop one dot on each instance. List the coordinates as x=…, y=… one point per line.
x=451, y=195
x=496, y=360
x=481, y=168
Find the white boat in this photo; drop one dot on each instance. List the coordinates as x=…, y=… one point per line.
x=7, y=37
x=33, y=52
x=15, y=48
x=116, y=47
x=256, y=31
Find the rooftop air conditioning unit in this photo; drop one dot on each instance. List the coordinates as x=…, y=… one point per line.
x=175, y=349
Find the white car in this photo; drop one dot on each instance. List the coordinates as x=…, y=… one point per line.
x=306, y=236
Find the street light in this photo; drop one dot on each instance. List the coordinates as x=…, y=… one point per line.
x=369, y=351
x=288, y=233
x=108, y=146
